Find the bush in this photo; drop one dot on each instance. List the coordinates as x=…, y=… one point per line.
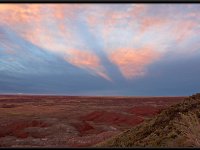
x=189, y=126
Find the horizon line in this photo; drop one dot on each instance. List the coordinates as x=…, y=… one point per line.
x=39, y=94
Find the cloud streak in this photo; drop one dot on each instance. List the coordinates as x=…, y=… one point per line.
x=86, y=60
x=133, y=62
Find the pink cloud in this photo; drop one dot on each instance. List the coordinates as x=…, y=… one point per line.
x=193, y=14
x=184, y=29
x=31, y=22
x=19, y=13
x=133, y=62
x=86, y=60
x=109, y=19
x=34, y=18
x=149, y=22
x=83, y=58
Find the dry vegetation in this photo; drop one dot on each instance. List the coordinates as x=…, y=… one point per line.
x=189, y=126
x=176, y=126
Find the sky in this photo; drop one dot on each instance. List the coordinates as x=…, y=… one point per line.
x=100, y=49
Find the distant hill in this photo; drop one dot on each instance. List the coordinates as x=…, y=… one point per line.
x=176, y=126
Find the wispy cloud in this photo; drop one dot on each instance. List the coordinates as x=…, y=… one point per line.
x=112, y=42
x=87, y=60
x=133, y=62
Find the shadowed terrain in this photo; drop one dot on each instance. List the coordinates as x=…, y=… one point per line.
x=176, y=126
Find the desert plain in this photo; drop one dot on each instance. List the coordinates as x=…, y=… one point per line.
x=72, y=121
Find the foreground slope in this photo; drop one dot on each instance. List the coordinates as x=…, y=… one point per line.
x=167, y=129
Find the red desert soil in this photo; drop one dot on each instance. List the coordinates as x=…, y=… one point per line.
x=82, y=127
x=112, y=118
x=16, y=128
x=145, y=110
x=71, y=121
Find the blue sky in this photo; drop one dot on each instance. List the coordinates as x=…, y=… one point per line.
x=100, y=49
